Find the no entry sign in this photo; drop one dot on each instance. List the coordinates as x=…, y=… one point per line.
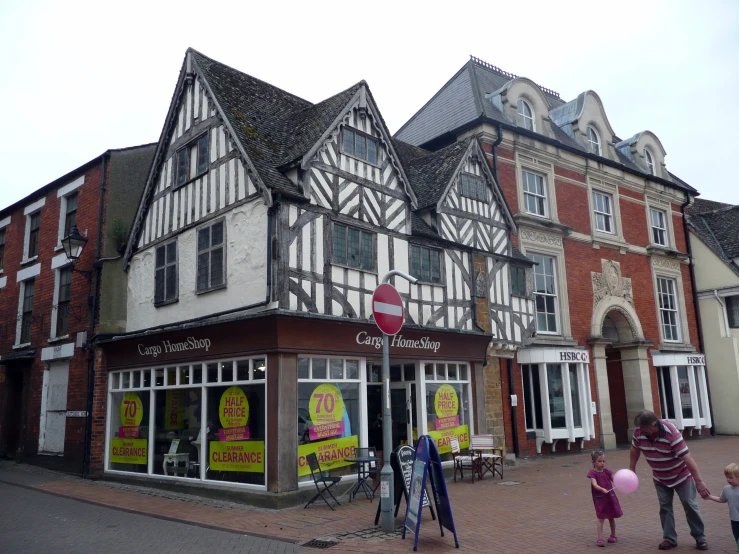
x=387, y=308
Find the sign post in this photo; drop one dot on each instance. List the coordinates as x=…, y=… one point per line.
x=387, y=309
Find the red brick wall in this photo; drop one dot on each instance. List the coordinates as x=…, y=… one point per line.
x=87, y=222
x=572, y=206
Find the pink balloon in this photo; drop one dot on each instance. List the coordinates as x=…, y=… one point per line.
x=625, y=481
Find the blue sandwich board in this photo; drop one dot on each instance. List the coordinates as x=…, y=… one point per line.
x=427, y=463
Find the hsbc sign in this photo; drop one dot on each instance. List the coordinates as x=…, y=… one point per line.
x=582, y=356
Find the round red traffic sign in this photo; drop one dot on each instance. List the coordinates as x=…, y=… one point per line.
x=387, y=308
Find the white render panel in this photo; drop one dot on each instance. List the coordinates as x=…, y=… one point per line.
x=246, y=272
x=222, y=187
x=232, y=180
x=293, y=298
x=66, y=189
x=354, y=282
x=221, y=142
x=188, y=114
x=319, y=298
x=35, y=206
x=241, y=177
x=337, y=274
x=353, y=298
x=306, y=249
x=383, y=264
x=28, y=272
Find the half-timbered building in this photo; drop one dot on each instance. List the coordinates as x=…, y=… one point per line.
x=265, y=226
x=603, y=220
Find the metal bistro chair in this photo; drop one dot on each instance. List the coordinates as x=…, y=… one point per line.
x=492, y=456
x=467, y=459
x=319, y=477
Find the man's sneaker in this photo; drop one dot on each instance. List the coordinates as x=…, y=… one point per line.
x=701, y=545
x=666, y=545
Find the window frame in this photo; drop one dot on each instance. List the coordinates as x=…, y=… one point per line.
x=555, y=295
x=607, y=217
x=166, y=265
x=34, y=236
x=677, y=324
x=67, y=227
x=732, y=311
x=595, y=145
x=198, y=252
x=664, y=230
x=368, y=139
x=26, y=312
x=518, y=279
x=2, y=248
x=528, y=121
x=61, y=322
x=187, y=150
x=475, y=182
x=346, y=263
x=419, y=276
x=540, y=198
x=649, y=160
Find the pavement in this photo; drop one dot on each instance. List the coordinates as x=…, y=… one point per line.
x=542, y=505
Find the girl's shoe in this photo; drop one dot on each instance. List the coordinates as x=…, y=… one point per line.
x=612, y=538
x=600, y=542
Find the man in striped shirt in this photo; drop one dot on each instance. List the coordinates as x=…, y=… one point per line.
x=673, y=470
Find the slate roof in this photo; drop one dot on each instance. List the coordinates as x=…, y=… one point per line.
x=717, y=224
x=430, y=174
x=466, y=98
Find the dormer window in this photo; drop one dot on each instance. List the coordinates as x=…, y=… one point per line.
x=650, y=161
x=594, y=141
x=359, y=146
x=526, y=115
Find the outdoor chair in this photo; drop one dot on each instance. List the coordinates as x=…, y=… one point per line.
x=465, y=459
x=374, y=469
x=491, y=455
x=321, y=478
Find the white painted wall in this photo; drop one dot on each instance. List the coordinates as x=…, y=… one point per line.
x=246, y=272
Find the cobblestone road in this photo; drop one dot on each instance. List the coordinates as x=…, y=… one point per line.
x=32, y=521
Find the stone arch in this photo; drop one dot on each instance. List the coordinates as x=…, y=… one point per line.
x=621, y=314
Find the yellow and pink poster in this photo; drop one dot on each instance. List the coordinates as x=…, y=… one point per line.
x=131, y=412
x=330, y=453
x=326, y=407
x=244, y=456
x=128, y=451
x=233, y=411
x=174, y=409
x=446, y=404
x=462, y=432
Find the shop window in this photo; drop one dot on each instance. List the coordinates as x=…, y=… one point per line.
x=328, y=413
x=448, y=408
x=682, y=388
x=129, y=429
x=732, y=310
x=532, y=397
x=426, y=263
x=211, y=257
x=665, y=393
x=229, y=437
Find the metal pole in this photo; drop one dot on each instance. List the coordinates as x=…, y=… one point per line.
x=387, y=481
x=387, y=484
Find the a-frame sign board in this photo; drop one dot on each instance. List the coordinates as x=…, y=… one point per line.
x=427, y=464
x=401, y=460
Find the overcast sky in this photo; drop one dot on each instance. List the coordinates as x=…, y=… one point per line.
x=79, y=78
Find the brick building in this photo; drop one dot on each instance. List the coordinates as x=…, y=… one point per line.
x=46, y=303
x=604, y=221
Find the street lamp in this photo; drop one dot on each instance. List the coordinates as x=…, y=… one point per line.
x=73, y=245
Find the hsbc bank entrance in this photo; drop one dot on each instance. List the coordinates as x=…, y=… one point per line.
x=240, y=404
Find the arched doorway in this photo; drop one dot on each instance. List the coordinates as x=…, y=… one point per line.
x=616, y=329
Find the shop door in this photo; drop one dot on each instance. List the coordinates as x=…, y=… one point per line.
x=617, y=395
x=403, y=409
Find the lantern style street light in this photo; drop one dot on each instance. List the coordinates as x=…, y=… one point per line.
x=73, y=245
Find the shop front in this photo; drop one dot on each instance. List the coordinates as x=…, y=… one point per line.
x=683, y=389
x=241, y=404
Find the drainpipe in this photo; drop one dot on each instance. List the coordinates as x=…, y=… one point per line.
x=495, y=151
x=92, y=304
x=514, y=416
x=721, y=303
x=694, y=289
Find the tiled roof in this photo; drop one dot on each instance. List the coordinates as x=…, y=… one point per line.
x=430, y=174
x=717, y=224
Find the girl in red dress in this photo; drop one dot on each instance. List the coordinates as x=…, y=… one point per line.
x=604, y=499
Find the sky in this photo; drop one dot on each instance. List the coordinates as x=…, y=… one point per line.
x=79, y=78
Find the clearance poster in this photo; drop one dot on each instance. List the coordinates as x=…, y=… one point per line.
x=442, y=438
x=233, y=412
x=330, y=453
x=128, y=451
x=174, y=410
x=244, y=456
x=131, y=412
